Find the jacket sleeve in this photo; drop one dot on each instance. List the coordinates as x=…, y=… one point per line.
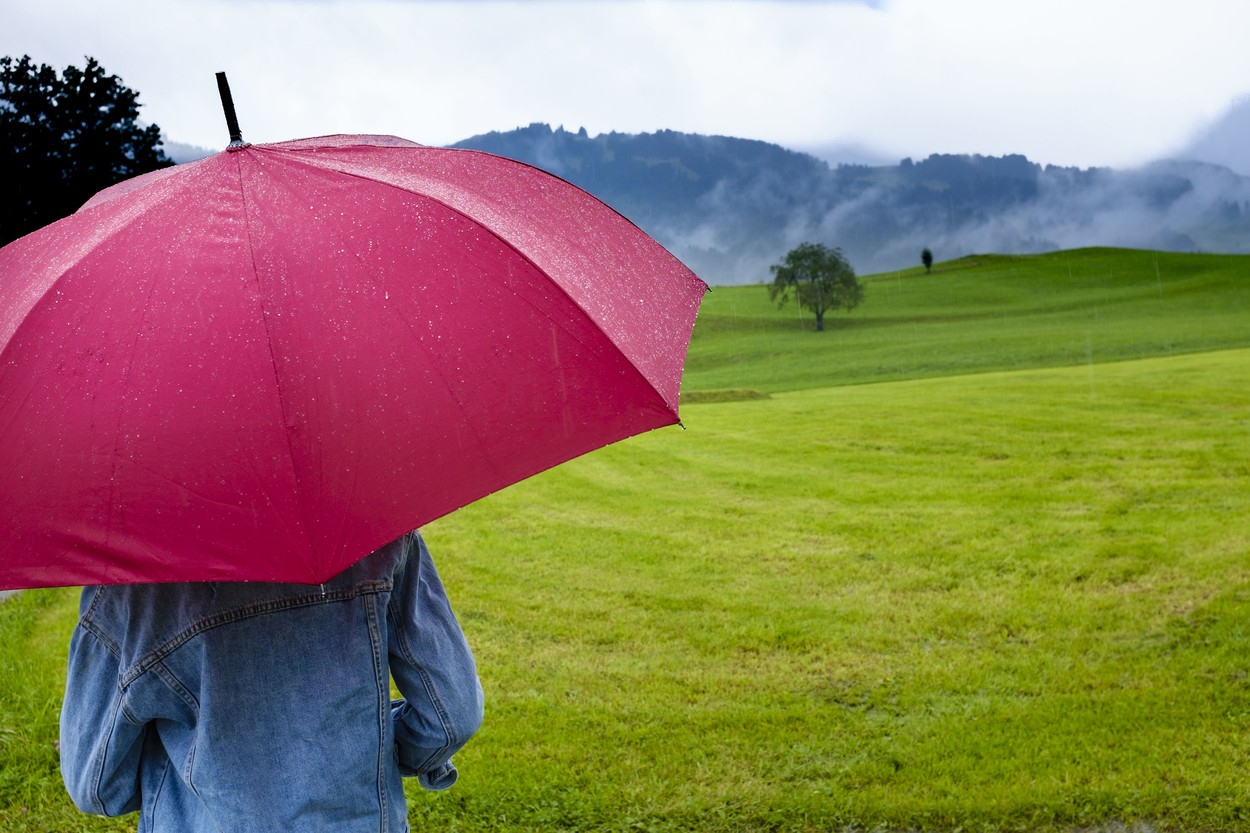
x=434, y=670
x=100, y=743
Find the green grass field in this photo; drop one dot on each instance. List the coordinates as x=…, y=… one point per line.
x=980, y=313
x=1010, y=599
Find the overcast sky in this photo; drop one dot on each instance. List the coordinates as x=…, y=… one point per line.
x=1072, y=82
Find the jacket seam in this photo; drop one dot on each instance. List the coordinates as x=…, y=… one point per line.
x=250, y=611
x=430, y=689
x=400, y=641
x=97, y=775
x=373, y=625
x=87, y=623
x=155, y=798
x=171, y=681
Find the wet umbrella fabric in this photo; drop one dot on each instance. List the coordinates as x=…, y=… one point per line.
x=265, y=364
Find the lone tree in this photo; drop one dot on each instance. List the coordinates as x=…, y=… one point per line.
x=926, y=257
x=819, y=278
x=64, y=137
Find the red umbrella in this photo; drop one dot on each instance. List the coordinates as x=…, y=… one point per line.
x=265, y=364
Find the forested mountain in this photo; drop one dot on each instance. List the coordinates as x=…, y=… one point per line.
x=731, y=207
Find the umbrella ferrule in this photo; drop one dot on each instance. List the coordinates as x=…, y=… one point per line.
x=232, y=120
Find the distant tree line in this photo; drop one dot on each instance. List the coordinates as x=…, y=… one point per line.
x=63, y=137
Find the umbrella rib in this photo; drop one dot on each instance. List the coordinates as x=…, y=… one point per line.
x=183, y=486
x=126, y=397
x=273, y=358
x=116, y=455
x=451, y=391
x=119, y=224
x=481, y=441
x=99, y=239
x=320, y=165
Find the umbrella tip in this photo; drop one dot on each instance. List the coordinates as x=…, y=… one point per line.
x=232, y=121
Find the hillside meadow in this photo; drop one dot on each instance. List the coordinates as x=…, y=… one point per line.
x=1014, y=595
x=979, y=313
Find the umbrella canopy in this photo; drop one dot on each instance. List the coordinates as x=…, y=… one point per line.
x=265, y=364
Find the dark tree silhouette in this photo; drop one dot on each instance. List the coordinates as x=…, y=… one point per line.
x=819, y=278
x=64, y=137
x=926, y=257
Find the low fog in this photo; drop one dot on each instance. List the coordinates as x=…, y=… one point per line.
x=1169, y=205
x=882, y=216
x=1174, y=206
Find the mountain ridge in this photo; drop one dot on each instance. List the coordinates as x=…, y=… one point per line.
x=730, y=207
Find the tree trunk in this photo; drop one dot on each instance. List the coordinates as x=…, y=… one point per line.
x=820, y=322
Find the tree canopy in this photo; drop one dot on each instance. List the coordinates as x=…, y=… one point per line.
x=819, y=278
x=926, y=257
x=63, y=138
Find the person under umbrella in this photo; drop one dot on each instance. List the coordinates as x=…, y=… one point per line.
x=226, y=381
x=256, y=706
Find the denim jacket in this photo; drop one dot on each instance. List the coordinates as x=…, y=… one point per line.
x=264, y=707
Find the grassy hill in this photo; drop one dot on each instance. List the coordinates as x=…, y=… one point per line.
x=978, y=314
x=1010, y=600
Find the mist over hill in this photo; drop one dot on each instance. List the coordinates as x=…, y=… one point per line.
x=182, y=152
x=730, y=207
x=1224, y=142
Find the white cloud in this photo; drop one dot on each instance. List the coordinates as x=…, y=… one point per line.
x=1065, y=81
